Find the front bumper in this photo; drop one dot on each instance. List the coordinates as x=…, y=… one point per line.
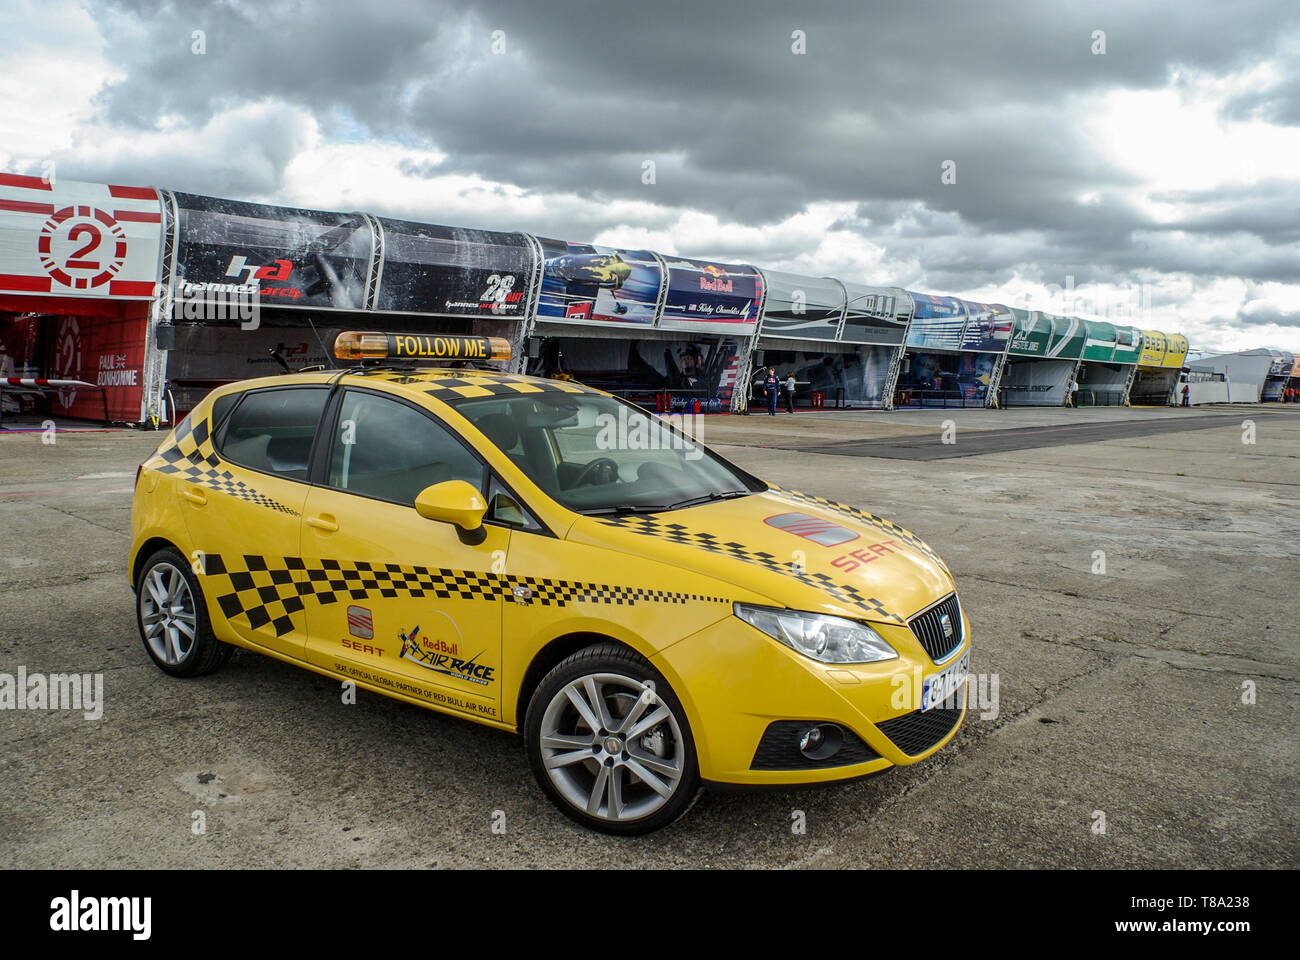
x=736, y=684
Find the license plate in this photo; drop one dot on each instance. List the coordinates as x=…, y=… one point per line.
x=938, y=687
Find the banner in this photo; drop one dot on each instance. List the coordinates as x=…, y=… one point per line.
x=1128, y=344
x=454, y=271
x=284, y=257
x=1067, y=337
x=805, y=308
x=968, y=373
x=988, y=327
x=70, y=239
x=711, y=297
x=1032, y=335
x=875, y=314
x=1153, y=348
x=1175, y=351
x=936, y=321
x=108, y=353
x=1099, y=340
x=583, y=283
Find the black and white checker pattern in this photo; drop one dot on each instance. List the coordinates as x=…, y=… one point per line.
x=192, y=457
x=461, y=385
x=270, y=591
x=653, y=526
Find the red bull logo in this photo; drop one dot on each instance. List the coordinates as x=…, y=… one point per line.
x=720, y=283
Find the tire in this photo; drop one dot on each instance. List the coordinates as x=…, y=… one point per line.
x=590, y=781
x=167, y=574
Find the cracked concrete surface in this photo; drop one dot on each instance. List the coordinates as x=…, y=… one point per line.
x=1120, y=693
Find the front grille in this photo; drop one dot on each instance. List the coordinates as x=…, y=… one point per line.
x=779, y=749
x=917, y=732
x=927, y=626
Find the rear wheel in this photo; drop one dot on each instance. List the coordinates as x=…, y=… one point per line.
x=609, y=742
x=173, y=618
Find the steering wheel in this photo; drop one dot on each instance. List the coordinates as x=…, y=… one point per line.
x=587, y=473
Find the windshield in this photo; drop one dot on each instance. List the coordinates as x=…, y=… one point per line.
x=596, y=454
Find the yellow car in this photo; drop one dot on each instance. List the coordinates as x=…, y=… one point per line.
x=546, y=559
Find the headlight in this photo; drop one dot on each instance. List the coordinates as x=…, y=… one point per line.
x=815, y=635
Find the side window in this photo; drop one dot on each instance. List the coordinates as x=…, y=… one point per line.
x=272, y=430
x=388, y=450
x=220, y=407
x=504, y=508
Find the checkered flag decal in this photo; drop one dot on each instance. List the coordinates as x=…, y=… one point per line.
x=652, y=526
x=193, y=457
x=471, y=386
x=269, y=592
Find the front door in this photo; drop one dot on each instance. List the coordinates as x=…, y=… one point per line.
x=398, y=601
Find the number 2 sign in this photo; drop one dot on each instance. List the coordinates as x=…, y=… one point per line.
x=82, y=247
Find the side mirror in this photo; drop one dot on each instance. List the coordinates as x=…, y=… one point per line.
x=454, y=502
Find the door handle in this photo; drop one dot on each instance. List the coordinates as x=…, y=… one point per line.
x=194, y=497
x=324, y=522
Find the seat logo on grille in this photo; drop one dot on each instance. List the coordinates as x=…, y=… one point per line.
x=945, y=621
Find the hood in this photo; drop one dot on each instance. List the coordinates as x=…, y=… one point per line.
x=797, y=550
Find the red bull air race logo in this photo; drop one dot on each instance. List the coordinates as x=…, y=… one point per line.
x=717, y=280
x=443, y=656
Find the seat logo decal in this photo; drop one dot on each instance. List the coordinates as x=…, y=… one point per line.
x=825, y=532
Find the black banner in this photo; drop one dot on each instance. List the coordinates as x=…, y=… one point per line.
x=454, y=271
x=284, y=256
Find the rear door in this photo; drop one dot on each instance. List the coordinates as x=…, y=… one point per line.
x=401, y=602
x=244, y=470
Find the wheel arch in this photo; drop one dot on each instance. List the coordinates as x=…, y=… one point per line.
x=552, y=653
x=147, y=549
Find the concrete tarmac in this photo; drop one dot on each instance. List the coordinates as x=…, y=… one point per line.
x=1147, y=709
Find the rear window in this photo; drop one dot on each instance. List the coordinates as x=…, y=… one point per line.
x=271, y=431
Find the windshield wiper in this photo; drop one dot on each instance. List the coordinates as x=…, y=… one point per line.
x=709, y=498
x=602, y=511
x=661, y=507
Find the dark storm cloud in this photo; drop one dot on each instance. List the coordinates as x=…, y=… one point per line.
x=741, y=128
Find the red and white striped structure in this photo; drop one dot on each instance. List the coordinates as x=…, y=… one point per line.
x=64, y=238
x=43, y=382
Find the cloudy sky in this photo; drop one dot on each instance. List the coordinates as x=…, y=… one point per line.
x=1139, y=161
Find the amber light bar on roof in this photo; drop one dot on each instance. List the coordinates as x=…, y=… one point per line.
x=359, y=345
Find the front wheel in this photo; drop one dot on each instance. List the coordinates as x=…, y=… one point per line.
x=610, y=744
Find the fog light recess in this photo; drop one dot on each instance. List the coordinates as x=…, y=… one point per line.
x=809, y=744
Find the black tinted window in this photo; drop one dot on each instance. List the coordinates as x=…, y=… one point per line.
x=220, y=407
x=388, y=450
x=272, y=430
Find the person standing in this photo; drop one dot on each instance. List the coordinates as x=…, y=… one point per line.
x=771, y=386
x=789, y=392
x=1187, y=395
